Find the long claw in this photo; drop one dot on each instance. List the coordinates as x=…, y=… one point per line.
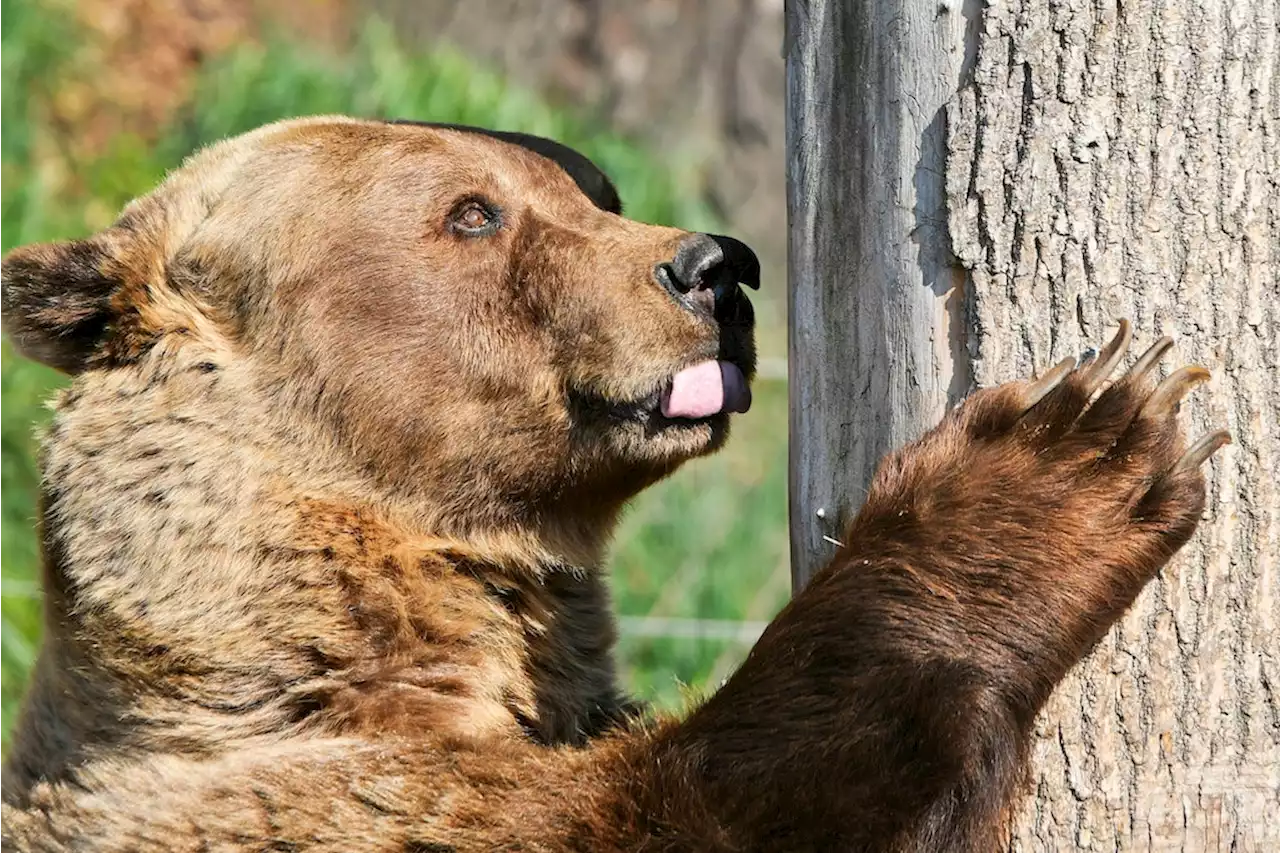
x=1107, y=361
x=1037, y=390
x=1202, y=450
x=1148, y=359
x=1174, y=387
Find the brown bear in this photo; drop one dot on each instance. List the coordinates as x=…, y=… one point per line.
x=356, y=406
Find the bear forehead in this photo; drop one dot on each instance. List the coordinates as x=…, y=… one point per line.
x=589, y=177
x=348, y=138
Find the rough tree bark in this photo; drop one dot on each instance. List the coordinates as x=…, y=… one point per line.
x=1123, y=159
x=1118, y=158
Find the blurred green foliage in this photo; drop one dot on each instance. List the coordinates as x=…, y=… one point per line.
x=710, y=543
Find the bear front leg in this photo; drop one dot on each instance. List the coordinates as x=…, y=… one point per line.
x=889, y=707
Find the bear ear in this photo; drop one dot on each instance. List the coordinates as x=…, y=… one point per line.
x=55, y=301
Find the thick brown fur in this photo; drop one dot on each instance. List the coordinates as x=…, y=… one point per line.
x=326, y=504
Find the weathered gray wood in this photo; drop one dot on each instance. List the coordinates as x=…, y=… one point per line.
x=875, y=324
x=1104, y=159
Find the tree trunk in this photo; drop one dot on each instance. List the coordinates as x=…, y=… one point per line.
x=1123, y=160
x=1102, y=160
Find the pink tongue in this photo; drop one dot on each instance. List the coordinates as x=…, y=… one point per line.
x=707, y=389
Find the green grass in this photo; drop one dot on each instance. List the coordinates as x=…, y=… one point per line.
x=709, y=543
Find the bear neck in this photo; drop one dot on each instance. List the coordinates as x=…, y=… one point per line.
x=191, y=541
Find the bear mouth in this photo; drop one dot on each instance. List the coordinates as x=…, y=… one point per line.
x=704, y=393
x=706, y=389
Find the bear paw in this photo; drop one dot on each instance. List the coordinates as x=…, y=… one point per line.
x=1045, y=500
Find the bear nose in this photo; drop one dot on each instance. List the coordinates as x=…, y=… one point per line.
x=709, y=263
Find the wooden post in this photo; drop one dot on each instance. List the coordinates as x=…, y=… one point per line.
x=875, y=314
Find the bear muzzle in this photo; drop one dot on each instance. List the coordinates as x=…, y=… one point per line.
x=705, y=274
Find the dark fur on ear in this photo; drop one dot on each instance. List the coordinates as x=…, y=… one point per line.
x=56, y=301
x=589, y=177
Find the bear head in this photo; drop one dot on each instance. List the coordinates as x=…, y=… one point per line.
x=465, y=314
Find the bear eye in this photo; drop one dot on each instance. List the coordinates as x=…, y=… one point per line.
x=474, y=218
